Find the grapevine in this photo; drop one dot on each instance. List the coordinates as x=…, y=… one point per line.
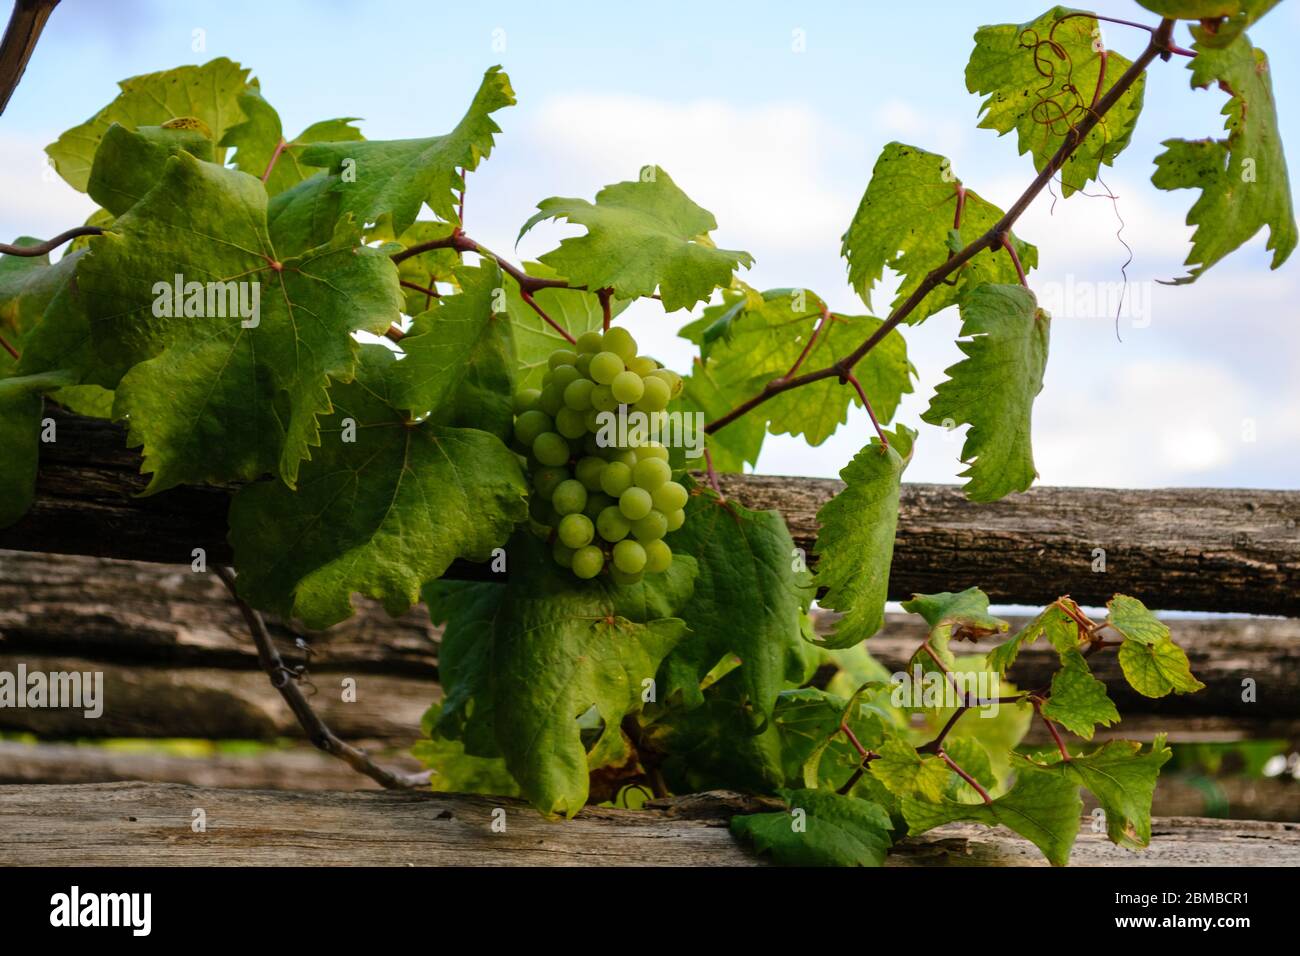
x=309, y=319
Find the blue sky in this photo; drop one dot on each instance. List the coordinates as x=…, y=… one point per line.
x=1203, y=389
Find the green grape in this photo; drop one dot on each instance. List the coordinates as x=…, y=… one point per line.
x=656, y=394
x=596, y=503
x=526, y=398
x=561, y=357
x=650, y=528
x=531, y=424
x=588, y=561
x=676, y=519
x=590, y=342
x=605, y=367
x=612, y=525
x=575, y=531
x=592, y=418
x=564, y=376
x=650, y=473
x=643, y=365
x=625, y=456
x=635, y=503
x=629, y=556
x=570, y=423
x=673, y=380
x=620, y=342
x=658, y=557
x=569, y=497
x=651, y=449
x=547, y=479
x=670, y=496
x=552, y=399
x=602, y=399
x=583, y=365
x=550, y=449
x=563, y=555
x=622, y=578
x=616, y=478
x=588, y=471
x=627, y=387
x=577, y=394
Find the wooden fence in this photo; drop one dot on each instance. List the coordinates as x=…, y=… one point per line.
x=95, y=578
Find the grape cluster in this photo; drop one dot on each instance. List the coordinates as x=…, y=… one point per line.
x=601, y=505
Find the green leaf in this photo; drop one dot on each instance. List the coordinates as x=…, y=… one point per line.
x=1153, y=670
x=455, y=770
x=563, y=646
x=814, y=749
x=1078, y=701
x=378, y=179
x=427, y=268
x=993, y=388
x=1061, y=630
x=21, y=406
x=1042, y=78
x=467, y=610
x=963, y=616
x=904, y=221
x=573, y=310
x=384, y=506
x=1218, y=32
x=129, y=163
x=1131, y=618
x=855, y=538
x=209, y=93
x=739, y=443
x=1123, y=779
x=207, y=397
x=907, y=774
x=643, y=237
x=256, y=140
x=766, y=334
x=741, y=553
x=1243, y=179
x=460, y=357
x=820, y=829
x=1042, y=807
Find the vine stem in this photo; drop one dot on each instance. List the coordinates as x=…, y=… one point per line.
x=1051, y=727
x=1008, y=245
x=49, y=245
x=4, y=344
x=24, y=29
x=713, y=476
x=812, y=339
x=866, y=402
x=605, y=295
x=427, y=290
x=285, y=680
x=975, y=785
x=1159, y=45
x=275, y=156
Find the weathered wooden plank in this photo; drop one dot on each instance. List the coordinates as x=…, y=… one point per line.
x=305, y=768
x=139, y=823
x=1189, y=548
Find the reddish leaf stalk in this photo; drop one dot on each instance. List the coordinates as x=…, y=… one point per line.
x=984, y=794
x=1008, y=245
x=4, y=344
x=1051, y=727
x=866, y=402
x=275, y=156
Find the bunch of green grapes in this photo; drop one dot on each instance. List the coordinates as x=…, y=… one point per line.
x=601, y=505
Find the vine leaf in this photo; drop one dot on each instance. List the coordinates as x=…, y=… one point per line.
x=855, y=538
x=1040, y=78
x=814, y=749
x=905, y=221
x=740, y=554
x=1131, y=618
x=1078, y=701
x=1243, y=179
x=1223, y=20
x=207, y=397
x=1123, y=779
x=963, y=615
x=467, y=611
x=1061, y=631
x=129, y=163
x=764, y=335
x=424, y=269
x=993, y=388
x=1154, y=670
x=819, y=829
x=562, y=647
x=209, y=93
x=1042, y=807
x=21, y=405
x=390, y=179
x=643, y=237
x=905, y=773
x=455, y=770
x=384, y=506
x=704, y=393
x=460, y=357
x=256, y=139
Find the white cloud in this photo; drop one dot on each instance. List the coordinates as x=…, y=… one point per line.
x=901, y=120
